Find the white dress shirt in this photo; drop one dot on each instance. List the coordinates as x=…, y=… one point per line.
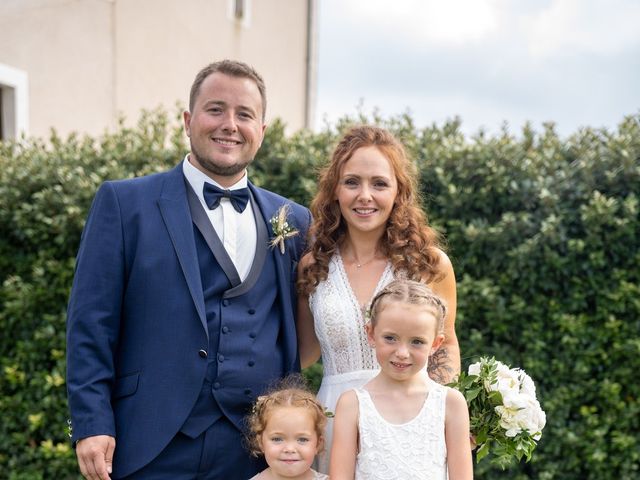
x=237, y=231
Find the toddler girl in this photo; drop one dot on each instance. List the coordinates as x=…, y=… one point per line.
x=402, y=424
x=287, y=427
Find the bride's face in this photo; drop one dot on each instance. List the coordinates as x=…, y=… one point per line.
x=366, y=191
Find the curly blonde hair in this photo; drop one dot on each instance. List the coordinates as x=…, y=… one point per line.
x=412, y=293
x=409, y=243
x=289, y=392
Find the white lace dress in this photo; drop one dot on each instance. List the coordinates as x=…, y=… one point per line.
x=415, y=450
x=347, y=359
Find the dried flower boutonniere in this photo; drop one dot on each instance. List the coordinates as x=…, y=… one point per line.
x=281, y=228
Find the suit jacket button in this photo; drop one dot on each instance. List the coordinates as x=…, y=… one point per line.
x=202, y=353
x=252, y=335
x=247, y=391
x=251, y=311
x=251, y=363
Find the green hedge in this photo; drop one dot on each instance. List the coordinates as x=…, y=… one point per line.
x=543, y=233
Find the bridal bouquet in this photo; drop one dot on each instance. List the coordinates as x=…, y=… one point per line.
x=506, y=417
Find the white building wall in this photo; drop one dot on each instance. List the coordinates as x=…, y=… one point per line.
x=89, y=61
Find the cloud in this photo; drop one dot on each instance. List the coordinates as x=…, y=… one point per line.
x=452, y=22
x=588, y=26
x=573, y=62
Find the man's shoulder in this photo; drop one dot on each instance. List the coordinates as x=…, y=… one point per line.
x=278, y=200
x=151, y=181
x=147, y=179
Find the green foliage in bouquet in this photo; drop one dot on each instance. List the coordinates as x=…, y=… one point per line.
x=505, y=416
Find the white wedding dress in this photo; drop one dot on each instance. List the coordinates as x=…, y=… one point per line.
x=347, y=359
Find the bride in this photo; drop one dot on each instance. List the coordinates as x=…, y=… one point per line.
x=368, y=229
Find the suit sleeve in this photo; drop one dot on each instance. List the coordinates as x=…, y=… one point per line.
x=94, y=316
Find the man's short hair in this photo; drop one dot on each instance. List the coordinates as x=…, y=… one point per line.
x=233, y=68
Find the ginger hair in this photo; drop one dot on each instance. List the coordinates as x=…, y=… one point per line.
x=409, y=243
x=289, y=392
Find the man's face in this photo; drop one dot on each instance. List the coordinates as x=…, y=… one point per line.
x=225, y=128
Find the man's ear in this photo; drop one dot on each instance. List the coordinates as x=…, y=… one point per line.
x=263, y=129
x=437, y=342
x=186, y=118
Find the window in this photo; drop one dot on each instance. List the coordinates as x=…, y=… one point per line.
x=14, y=102
x=239, y=11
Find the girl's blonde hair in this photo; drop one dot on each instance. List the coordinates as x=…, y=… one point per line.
x=409, y=243
x=289, y=392
x=412, y=293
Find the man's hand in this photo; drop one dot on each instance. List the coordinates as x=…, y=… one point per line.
x=95, y=456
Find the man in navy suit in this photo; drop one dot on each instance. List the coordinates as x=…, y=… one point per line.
x=181, y=311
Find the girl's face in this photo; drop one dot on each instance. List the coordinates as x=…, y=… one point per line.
x=290, y=442
x=403, y=337
x=367, y=190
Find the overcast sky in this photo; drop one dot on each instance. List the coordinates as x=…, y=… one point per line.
x=574, y=62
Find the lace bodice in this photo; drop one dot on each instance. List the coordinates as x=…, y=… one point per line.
x=412, y=450
x=339, y=321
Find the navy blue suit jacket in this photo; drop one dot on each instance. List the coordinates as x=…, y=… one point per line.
x=136, y=317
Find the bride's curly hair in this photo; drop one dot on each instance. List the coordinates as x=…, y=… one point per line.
x=409, y=243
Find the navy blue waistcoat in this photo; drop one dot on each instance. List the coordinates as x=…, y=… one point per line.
x=244, y=354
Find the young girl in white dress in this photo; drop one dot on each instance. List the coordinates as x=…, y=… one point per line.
x=402, y=424
x=368, y=229
x=287, y=427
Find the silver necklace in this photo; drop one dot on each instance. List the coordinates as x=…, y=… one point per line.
x=360, y=265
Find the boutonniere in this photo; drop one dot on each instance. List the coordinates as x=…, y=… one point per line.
x=281, y=228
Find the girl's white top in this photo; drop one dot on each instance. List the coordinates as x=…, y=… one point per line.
x=347, y=359
x=316, y=476
x=412, y=450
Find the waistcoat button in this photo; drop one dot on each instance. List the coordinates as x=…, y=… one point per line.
x=216, y=385
x=251, y=363
x=225, y=329
x=225, y=302
x=220, y=358
x=251, y=311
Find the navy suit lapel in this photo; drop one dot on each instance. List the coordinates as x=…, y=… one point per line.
x=262, y=239
x=210, y=236
x=267, y=210
x=175, y=212
x=286, y=293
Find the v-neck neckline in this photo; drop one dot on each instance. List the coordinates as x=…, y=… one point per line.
x=352, y=293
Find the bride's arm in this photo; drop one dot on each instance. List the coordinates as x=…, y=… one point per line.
x=444, y=365
x=308, y=344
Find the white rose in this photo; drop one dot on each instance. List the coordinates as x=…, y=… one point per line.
x=514, y=400
x=507, y=381
x=534, y=418
x=519, y=413
x=526, y=384
x=474, y=369
x=508, y=421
